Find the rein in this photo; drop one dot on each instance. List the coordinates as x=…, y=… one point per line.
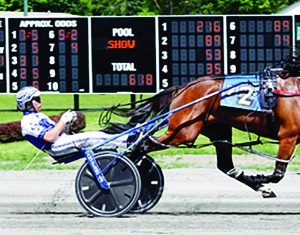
x=286, y=93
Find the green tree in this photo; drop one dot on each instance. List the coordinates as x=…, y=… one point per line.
x=149, y=7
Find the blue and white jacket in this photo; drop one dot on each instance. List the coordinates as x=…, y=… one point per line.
x=34, y=125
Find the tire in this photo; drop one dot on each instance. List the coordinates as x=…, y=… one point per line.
x=123, y=178
x=152, y=184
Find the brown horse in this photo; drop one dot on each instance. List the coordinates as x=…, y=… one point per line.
x=214, y=121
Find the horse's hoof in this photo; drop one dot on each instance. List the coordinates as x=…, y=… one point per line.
x=268, y=194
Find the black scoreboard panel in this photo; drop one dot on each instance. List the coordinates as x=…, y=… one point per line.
x=297, y=32
x=2, y=57
x=254, y=42
x=189, y=47
x=123, y=54
x=138, y=54
x=49, y=53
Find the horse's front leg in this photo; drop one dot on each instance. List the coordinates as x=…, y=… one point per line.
x=221, y=136
x=286, y=149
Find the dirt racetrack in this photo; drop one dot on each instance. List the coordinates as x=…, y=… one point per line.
x=195, y=201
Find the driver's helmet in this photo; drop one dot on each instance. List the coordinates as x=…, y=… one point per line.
x=25, y=95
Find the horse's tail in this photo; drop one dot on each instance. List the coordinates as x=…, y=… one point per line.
x=146, y=108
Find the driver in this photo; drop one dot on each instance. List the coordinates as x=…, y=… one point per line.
x=49, y=136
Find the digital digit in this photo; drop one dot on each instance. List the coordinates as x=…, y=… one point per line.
x=277, y=40
x=61, y=35
x=52, y=73
x=208, y=54
x=209, y=68
x=232, y=26
x=74, y=35
x=14, y=34
x=34, y=35
x=15, y=86
x=52, y=86
x=232, y=55
x=286, y=26
x=217, y=40
x=164, y=41
x=51, y=60
x=286, y=40
x=217, y=26
x=149, y=79
x=23, y=60
x=51, y=34
x=232, y=68
x=74, y=47
x=218, y=55
x=164, y=55
x=208, y=40
x=35, y=73
x=22, y=35
x=13, y=48
x=165, y=83
x=35, y=60
x=218, y=68
x=14, y=60
x=51, y=47
x=200, y=26
x=34, y=48
x=132, y=80
x=165, y=69
x=14, y=73
x=232, y=39
x=62, y=47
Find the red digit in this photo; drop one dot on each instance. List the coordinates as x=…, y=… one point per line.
x=200, y=26
x=149, y=79
x=132, y=80
x=217, y=26
x=277, y=26
x=208, y=40
x=208, y=54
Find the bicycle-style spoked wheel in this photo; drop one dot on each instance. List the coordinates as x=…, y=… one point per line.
x=152, y=184
x=123, y=179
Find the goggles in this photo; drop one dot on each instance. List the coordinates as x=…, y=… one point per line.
x=37, y=99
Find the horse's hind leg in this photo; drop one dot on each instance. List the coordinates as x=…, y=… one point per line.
x=221, y=136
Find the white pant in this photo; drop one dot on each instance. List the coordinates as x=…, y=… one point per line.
x=65, y=144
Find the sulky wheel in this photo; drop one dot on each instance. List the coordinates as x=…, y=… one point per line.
x=124, y=186
x=152, y=184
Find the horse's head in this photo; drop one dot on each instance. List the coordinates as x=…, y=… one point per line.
x=290, y=66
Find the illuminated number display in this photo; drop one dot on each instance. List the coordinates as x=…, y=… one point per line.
x=2, y=57
x=51, y=54
x=297, y=31
x=123, y=54
x=255, y=42
x=189, y=48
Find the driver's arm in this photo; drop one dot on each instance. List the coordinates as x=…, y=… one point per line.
x=65, y=119
x=52, y=134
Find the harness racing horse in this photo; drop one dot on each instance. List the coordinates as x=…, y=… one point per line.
x=211, y=119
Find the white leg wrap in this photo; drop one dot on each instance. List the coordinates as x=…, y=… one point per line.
x=234, y=173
